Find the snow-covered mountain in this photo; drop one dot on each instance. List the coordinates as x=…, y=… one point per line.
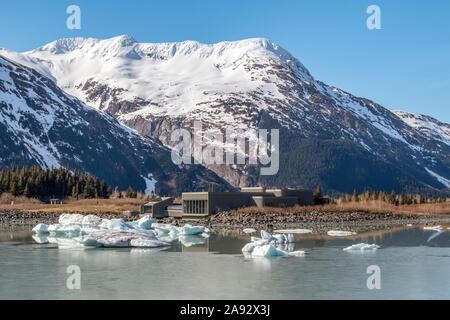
x=253, y=83
x=41, y=124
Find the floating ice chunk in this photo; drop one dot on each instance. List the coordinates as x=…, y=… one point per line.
x=41, y=228
x=267, y=250
x=174, y=232
x=40, y=239
x=191, y=240
x=337, y=233
x=115, y=225
x=122, y=239
x=265, y=235
x=289, y=247
x=435, y=235
x=89, y=229
x=91, y=220
x=297, y=231
x=162, y=227
x=192, y=230
x=248, y=248
x=249, y=230
x=290, y=238
x=64, y=229
x=362, y=247
x=147, y=243
x=65, y=242
x=279, y=238
x=409, y=225
x=70, y=218
x=145, y=222
x=298, y=253
x=435, y=228
x=270, y=246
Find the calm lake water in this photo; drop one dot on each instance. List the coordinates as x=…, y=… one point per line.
x=414, y=264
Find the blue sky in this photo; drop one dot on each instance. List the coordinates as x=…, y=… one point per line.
x=405, y=65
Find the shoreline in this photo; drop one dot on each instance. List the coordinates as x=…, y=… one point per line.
x=318, y=221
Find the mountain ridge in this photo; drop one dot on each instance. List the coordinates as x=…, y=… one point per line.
x=155, y=87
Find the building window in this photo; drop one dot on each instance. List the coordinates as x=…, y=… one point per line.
x=195, y=206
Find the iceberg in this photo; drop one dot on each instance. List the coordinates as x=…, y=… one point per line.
x=435, y=228
x=298, y=231
x=41, y=228
x=122, y=239
x=337, y=233
x=70, y=219
x=91, y=220
x=267, y=250
x=249, y=230
x=362, y=247
x=40, y=239
x=271, y=246
x=192, y=240
x=75, y=230
x=187, y=230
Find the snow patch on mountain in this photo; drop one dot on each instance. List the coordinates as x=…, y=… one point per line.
x=150, y=184
x=427, y=125
x=444, y=181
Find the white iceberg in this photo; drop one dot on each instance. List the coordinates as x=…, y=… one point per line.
x=192, y=240
x=338, y=233
x=249, y=230
x=74, y=230
x=70, y=219
x=298, y=253
x=362, y=247
x=297, y=231
x=271, y=246
x=144, y=223
x=435, y=228
x=290, y=238
x=189, y=230
x=41, y=228
x=91, y=220
x=122, y=239
x=267, y=250
x=40, y=239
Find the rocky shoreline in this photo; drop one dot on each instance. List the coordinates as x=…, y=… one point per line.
x=15, y=217
x=316, y=220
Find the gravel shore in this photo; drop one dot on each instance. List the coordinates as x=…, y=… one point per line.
x=11, y=217
x=315, y=220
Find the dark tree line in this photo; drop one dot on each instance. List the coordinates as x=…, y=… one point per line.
x=35, y=182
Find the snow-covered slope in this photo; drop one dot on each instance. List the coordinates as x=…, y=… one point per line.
x=252, y=83
x=432, y=128
x=41, y=124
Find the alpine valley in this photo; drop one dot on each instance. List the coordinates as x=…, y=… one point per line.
x=73, y=102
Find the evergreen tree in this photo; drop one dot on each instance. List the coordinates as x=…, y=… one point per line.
x=318, y=196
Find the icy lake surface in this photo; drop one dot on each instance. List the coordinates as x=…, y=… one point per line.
x=414, y=264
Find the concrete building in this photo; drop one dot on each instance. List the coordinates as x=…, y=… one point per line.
x=201, y=204
x=157, y=208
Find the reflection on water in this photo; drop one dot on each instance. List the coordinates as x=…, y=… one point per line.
x=414, y=263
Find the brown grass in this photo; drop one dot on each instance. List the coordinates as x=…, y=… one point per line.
x=374, y=206
x=80, y=206
x=120, y=205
